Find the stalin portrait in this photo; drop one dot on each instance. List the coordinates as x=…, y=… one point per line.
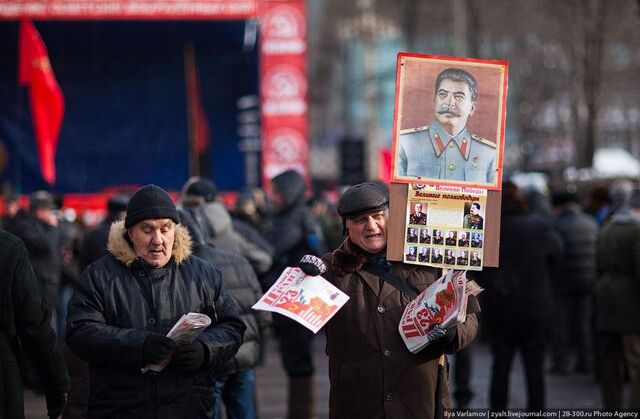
x=445, y=149
x=448, y=125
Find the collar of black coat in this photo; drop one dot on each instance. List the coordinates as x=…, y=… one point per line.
x=124, y=253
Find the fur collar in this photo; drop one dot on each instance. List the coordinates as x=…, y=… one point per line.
x=348, y=258
x=123, y=252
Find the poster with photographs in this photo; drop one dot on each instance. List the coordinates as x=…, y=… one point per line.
x=445, y=226
x=449, y=121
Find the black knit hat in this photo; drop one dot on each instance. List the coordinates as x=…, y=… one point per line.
x=150, y=203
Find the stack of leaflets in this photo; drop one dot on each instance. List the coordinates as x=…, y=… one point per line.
x=186, y=330
x=444, y=302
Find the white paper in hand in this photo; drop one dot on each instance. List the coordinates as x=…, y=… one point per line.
x=309, y=300
x=185, y=330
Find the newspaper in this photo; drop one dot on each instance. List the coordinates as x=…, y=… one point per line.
x=310, y=300
x=186, y=329
x=444, y=302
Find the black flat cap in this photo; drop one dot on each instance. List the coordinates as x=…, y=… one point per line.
x=363, y=198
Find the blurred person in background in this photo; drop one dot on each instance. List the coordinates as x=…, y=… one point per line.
x=11, y=207
x=539, y=202
x=517, y=298
x=25, y=330
x=294, y=232
x=70, y=241
x=38, y=229
x=248, y=223
x=199, y=198
x=127, y=302
x=573, y=281
x=245, y=209
x=617, y=303
x=598, y=203
x=235, y=380
x=93, y=247
x=325, y=215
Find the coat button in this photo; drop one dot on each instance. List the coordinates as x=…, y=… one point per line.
x=151, y=321
x=381, y=309
x=452, y=167
x=386, y=352
x=388, y=396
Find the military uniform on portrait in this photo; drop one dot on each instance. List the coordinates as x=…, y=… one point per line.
x=430, y=152
x=420, y=218
x=474, y=222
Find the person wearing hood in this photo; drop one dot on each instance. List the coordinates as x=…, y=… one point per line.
x=617, y=308
x=126, y=303
x=235, y=380
x=294, y=232
x=199, y=197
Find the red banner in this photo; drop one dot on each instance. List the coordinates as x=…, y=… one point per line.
x=45, y=96
x=129, y=9
x=283, y=88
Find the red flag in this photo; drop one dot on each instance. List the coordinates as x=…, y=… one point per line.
x=45, y=96
x=384, y=168
x=198, y=124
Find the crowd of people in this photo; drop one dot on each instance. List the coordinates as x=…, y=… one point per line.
x=84, y=308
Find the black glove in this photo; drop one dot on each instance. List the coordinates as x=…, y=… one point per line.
x=312, y=265
x=188, y=356
x=157, y=347
x=55, y=405
x=441, y=337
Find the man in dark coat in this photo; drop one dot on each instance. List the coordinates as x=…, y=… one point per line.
x=517, y=301
x=25, y=329
x=617, y=308
x=372, y=373
x=293, y=233
x=573, y=283
x=127, y=302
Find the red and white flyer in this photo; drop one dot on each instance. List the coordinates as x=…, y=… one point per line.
x=444, y=302
x=310, y=300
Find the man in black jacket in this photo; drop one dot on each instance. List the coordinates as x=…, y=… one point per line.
x=127, y=301
x=25, y=328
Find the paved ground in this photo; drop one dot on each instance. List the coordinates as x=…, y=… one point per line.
x=571, y=391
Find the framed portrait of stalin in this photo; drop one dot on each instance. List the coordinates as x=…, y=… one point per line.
x=449, y=121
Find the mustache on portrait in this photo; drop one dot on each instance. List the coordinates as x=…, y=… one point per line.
x=447, y=109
